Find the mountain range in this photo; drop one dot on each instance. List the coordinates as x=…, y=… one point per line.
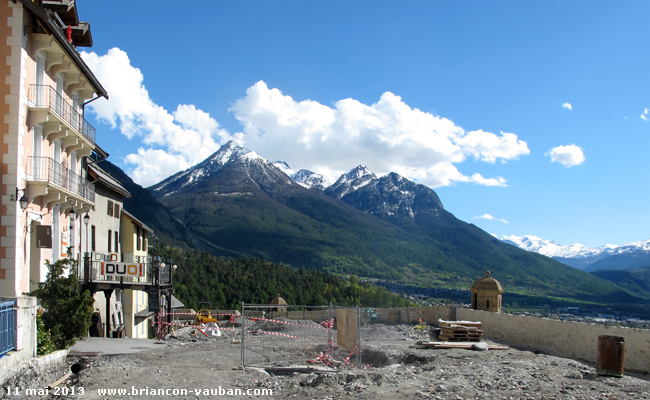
x=236, y=203
x=608, y=257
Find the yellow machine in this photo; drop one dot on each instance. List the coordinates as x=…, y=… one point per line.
x=204, y=315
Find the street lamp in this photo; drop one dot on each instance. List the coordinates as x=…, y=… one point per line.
x=87, y=221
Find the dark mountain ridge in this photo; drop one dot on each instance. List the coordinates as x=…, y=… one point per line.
x=236, y=202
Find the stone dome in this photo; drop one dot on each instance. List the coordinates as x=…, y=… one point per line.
x=279, y=301
x=486, y=284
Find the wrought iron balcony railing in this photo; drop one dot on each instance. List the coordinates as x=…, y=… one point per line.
x=45, y=169
x=45, y=96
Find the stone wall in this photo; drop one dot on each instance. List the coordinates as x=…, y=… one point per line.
x=25, y=351
x=575, y=340
x=411, y=315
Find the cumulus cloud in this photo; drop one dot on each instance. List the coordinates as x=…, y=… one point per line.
x=386, y=136
x=174, y=140
x=568, y=106
x=491, y=218
x=568, y=156
x=646, y=114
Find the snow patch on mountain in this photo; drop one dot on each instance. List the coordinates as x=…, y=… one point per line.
x=284, y=167
x=551, y=249
x=354, y=179
x=230, y=152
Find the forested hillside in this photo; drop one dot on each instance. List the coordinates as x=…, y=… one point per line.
x=226, y=282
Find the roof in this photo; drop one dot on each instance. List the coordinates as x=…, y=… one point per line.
x=176, y=303
x=144, y=314
x=53, y=26
x=137, y=221
x=487, y=283
x=279, y=301
x=107, y=180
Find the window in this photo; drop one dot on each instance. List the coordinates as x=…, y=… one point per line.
x=117, y=211
x=117, y=237
x=92, y=238
x=109, y=208
x=110, y=237
x=137, y=237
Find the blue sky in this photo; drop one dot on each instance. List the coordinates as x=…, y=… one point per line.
x=532, y=113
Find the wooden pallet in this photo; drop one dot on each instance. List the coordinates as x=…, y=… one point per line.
x=460, y=331
x=460, y=338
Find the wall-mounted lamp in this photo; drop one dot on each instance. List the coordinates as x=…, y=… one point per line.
x=21, y=198
x=86, y=219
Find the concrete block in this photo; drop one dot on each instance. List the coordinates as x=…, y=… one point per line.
x=14, y=41
x=8, y=220
x=7, y=289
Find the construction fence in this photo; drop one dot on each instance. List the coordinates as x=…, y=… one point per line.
x=285, y=334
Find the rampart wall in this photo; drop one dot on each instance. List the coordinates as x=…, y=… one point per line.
x=575, y=340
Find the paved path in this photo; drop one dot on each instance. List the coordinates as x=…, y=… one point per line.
x=108, y=346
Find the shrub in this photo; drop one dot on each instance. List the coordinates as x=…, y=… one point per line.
x=67, y=311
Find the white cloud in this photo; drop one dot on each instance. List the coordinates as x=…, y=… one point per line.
x=568, y=156
x=568, y=106
x=387, y=136
x=484, y=216
x=491, y=218
x=174, y=141
x=646, y=114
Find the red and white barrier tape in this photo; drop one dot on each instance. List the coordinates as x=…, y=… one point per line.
x=319, y=326
x=187, y=313
x=283, y=335
x=190, y=325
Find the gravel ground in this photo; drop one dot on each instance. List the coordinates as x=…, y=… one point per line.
x=392, y=370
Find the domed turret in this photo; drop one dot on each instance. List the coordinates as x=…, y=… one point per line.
x=486, y=294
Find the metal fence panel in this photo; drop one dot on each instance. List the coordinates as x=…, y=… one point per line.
x=7, y=327
x=288, y=334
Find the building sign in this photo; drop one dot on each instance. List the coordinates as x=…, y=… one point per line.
x=154, y=298
x=43, y=236
x=64, y=243
x=122, y=269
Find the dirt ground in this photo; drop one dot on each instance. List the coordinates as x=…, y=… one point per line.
x=211, y=368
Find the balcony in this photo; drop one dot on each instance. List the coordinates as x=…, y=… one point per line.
x=46, y=177
x=60, y=120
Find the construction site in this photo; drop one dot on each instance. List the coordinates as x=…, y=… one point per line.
x=300, y=352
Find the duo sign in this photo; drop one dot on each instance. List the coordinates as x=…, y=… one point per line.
x=122, y=269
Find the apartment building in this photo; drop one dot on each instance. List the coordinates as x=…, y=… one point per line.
x=45, y=138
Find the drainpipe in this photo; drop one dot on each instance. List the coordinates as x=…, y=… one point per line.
x=83, y=106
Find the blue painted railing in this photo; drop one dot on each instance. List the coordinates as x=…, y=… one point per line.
x=7, y=327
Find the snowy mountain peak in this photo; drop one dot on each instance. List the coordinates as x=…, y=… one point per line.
x=551, y=249
x=229, y=153
x=310, y=180
x=352, y=180
x=359, y=171
x=284, y=167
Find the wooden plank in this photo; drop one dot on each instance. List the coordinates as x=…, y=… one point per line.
x=456, y=345
x=460, y=323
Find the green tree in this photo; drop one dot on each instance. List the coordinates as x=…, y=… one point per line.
x=67, y=311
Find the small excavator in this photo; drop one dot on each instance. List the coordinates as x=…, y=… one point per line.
x=204, y=315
